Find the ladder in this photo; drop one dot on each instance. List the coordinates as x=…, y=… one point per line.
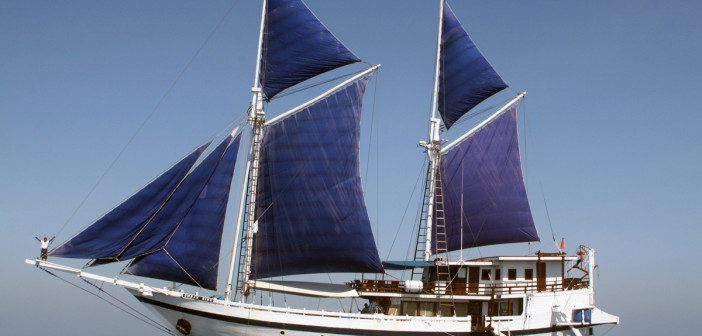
x=246, y=256
x=443, y=270
x=420, y=245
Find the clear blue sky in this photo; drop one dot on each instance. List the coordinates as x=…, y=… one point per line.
x=613, y=140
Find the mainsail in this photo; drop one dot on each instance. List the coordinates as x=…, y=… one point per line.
x=484, y=199
x=466, y=78
x=297, y=47
x=310, y=212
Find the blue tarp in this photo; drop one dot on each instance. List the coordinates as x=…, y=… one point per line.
x=406, y=264
x=297, y=47
x=485, y=172
x=111, y=234
x=466, y=78
x=310, y=210
x=191, y=254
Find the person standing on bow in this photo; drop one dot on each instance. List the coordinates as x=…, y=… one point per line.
x=45, y=246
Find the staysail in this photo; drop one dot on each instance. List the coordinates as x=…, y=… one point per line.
x=465, y=76
x=157, y=233
x=310, y=212
x=297, y=47
x=481, y=178
x=173, y=226
x=111, y=234
x=191, y=252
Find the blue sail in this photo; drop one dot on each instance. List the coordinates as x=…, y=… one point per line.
x=310, y=212
x=191, y=253
x=159, y=230
x=466, y=78
x=484, y=174
x=111, y=234
x=297, y=47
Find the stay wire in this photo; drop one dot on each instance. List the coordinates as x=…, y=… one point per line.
x=473, y=114
x=368, y=156
x=409, y=202
x=153, y=111
x=538, y=174
x=313, y=85
x=143, y=317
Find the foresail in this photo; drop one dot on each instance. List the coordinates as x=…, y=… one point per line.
x=310, y=212
x=297, y=47
x=466, y=78
x=160, y=229
x=191, y=253
x=111, y=234
x=481, y=178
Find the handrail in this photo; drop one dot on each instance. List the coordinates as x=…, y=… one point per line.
x=462, y=288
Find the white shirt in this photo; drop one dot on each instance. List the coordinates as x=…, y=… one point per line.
x=44, y=244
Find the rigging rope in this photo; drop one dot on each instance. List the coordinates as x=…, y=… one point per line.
x=148, y=117
x=409, y=202
x=538, y=173
x=143, y=317
x=473, y=114
x=368, y=154
x=309, y=86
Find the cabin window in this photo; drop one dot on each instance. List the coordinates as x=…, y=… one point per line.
x=509, y=307
x=426, y=309
x=461, y=309
x=512, y=274
x=516, y=307
x=445, y=310
x=462, y=275
x=528, y=274
x=476, y=308
x=485, y=274
x=498, y=275
x=504, y=308
x=409, y=308
x=458, y=274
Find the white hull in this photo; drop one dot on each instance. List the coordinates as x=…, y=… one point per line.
x=229, y=318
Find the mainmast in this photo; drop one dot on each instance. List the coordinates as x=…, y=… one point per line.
x=433, y=146
x=257, y=118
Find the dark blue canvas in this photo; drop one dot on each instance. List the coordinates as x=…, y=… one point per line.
x=297, y=47
x=486, y=170
x=466, y=78
x=110, y=235
x=156, y=233
x=310, y=209
x=191, y=253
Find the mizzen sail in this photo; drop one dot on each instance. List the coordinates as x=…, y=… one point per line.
x=484, y=197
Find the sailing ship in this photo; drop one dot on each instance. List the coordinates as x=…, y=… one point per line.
x=302, y=211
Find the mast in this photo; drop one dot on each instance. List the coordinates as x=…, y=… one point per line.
x=433, y=146
x=257, y=117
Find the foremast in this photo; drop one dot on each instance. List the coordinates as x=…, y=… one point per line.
x=288, y=54
x=257, y=119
